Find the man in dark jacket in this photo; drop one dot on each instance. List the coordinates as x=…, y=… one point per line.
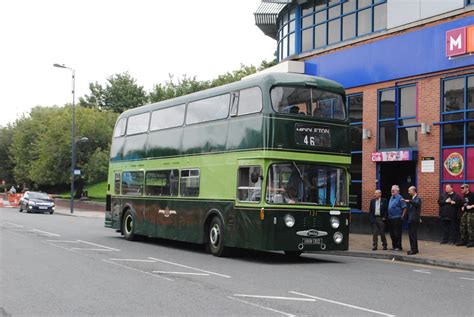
x=378, y=212
x=449, y=205
x=413, y=215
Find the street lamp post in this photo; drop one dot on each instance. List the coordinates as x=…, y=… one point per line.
x=73, y=128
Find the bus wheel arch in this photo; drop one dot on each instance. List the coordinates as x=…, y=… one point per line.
x=128, y=224
x=214, y=236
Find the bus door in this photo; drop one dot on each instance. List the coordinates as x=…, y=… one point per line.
x=248, y=202
x=160, y=209
x=115, y=205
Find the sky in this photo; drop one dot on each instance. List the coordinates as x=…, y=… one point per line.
x=98, y=38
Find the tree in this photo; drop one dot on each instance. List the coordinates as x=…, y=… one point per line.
x=121, y=92
x=6, y=163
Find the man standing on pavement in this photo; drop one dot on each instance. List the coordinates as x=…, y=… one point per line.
x=467, y=218
x=414, y=211
x=377, y=215
x=449, y=204
x=396, y=208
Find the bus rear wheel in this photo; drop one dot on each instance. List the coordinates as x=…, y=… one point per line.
x=128, y=226
x=216, y=237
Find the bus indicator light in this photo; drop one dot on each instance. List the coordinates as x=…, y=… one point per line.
x=262, y=214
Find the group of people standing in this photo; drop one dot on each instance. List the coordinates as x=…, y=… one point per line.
x=393, y=212
x=456, y=215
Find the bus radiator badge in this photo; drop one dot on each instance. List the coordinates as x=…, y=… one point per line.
x=167, y=212
x=312, y=233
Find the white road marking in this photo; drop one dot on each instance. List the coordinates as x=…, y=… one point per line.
x=189, y=267
x=260, y=306
x=133, y=260
x=422, y=271
x=136, y=270
x=181, y=273
x=91, y=249
x=15, y=225
x=45, y=232
x=64, y=241
x=342, y=304
x=466, y=278
x=98, y=245
x=277, y=297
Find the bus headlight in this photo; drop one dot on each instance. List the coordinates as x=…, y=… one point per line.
x=338, y=237
x=334, y=222
x=289, y=220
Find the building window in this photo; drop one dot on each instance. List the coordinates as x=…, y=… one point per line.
x=287, y=33
x=354, y=104
x=318, y=23
x=398, y=127
x=457, y=131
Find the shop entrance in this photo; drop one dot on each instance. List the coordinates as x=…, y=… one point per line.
x=402, y=174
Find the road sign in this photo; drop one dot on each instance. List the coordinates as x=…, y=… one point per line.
x=77, y=172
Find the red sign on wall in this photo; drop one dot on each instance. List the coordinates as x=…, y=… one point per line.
x=456, y=42
x=460, y=41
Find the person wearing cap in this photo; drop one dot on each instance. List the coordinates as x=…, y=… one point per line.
x=467, y=218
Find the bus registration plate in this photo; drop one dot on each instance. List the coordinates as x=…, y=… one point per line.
x=312, y=241
x=312, y=136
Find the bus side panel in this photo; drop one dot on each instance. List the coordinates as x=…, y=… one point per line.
x=135, y=147
x=249, y=229
x=245, y=132
x=164, y=143
x=205, y=138
x=116, y=213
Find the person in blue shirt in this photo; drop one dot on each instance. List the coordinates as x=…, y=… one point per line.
x=396, y=209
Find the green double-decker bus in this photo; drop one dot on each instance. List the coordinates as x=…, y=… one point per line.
x=260, y=164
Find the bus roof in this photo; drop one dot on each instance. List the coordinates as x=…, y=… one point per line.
x=264, y=80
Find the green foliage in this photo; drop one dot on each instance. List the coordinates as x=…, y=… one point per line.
x=6, y=164
x=121, y=92
x=97, y=166
x=185, y=85
x=41, y=147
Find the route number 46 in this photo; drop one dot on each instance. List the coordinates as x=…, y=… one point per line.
x=309, y=140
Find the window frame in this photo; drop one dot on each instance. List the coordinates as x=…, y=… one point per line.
x=184, y=105
x=237, y=96
x=136, y=115
x=197, y=100
x=181, y=183
x=143, y=185
x=311, y=13
x=355, y=124
x=261, y=184
x=465, y=121
x=343, y=108
x=162, y=170
x=124, y=131
x=397, y=117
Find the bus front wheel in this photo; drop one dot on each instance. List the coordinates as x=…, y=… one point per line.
x=216, y=237
x=128, y=226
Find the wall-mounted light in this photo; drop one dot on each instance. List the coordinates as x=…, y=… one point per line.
x=425, y=128
x=365, y=133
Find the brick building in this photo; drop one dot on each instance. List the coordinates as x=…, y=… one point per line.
x=408, y=70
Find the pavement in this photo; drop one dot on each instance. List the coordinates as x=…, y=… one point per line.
x=56, y=265
x=360, y=245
